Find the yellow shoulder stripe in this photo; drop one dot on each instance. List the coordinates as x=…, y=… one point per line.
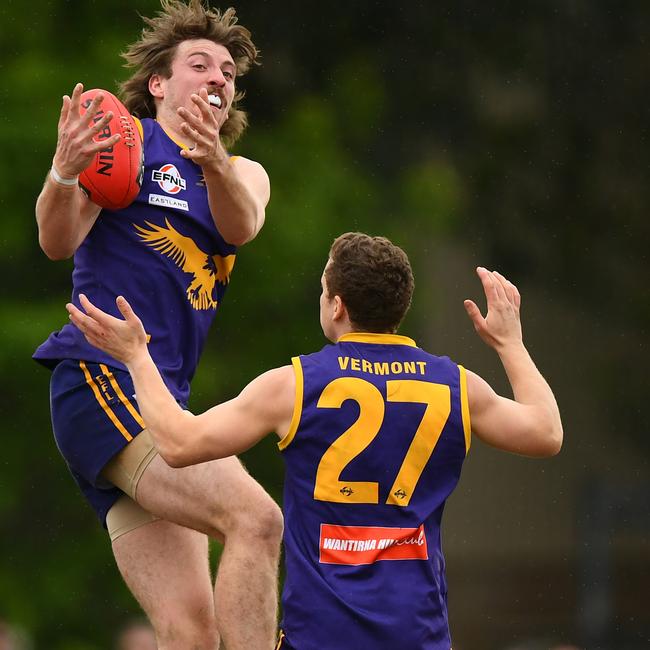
x=139, y=125
x=464, y=405
x=297, y=405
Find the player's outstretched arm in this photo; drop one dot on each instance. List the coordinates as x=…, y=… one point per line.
x=182, y=438
x=63, y=212
x=530, y=424
x=238, y=188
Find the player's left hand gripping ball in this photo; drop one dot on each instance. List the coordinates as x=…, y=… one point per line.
x=114, y=177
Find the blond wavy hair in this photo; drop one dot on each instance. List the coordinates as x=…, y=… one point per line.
x=154, y=52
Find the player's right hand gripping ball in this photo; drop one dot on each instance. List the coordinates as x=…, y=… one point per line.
x=114, y=177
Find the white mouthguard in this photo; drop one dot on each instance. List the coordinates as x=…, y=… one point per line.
x=215, y=100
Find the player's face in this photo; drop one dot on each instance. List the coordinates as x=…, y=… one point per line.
x=199, y=64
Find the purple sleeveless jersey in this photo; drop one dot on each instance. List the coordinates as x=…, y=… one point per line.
x=164, y=254
x=378, y=437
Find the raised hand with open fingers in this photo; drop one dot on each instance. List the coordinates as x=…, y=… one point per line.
x=122, y=339
x=75, y=146
x=501, y=325
x=202, y=128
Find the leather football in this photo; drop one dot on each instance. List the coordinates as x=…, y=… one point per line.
x=113, y=178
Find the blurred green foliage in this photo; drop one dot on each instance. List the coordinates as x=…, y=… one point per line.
x=518, y=129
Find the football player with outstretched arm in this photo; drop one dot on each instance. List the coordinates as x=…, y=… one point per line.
x=171, y=252
x=374, y=432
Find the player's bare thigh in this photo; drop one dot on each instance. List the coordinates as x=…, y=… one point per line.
x=212, y=497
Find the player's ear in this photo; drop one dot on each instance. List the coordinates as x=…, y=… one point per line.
x=155, y=86
x=339, y=309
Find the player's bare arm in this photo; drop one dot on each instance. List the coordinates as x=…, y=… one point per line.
x=238, y=188
x=264, y=406
x=530, y=423
x=63, y=212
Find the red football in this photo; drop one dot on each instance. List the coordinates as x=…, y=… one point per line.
x=113, y=178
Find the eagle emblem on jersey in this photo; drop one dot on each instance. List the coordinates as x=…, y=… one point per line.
x=206, y=270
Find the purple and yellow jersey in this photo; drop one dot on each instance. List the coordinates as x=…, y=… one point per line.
x=378, y=437
x=165, y=255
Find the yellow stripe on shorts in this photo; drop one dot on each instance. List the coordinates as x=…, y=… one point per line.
x=120, y=393
x=100, y=398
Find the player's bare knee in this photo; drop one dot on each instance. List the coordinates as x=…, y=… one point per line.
x=273, y=522
x=262, y=523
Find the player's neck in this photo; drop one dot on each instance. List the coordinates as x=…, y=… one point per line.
x=172, y=128
x=351, y=329
x=340, y=328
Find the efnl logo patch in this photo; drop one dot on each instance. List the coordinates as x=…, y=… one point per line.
x=169, y=179
x=368, y=544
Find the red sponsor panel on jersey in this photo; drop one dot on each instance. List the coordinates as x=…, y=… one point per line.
x=368, y=544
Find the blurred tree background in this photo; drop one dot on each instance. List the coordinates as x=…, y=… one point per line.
x=510, y=134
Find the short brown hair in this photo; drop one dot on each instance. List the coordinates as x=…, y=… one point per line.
x=154, y=52
x=373, y=278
